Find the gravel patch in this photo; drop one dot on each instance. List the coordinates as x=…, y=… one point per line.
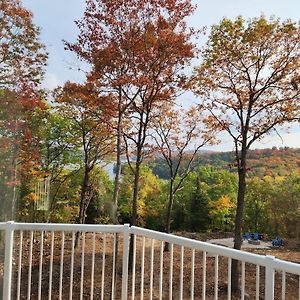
x=228, y=242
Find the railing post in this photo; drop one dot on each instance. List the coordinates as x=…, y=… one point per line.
x=8, y=255
x=269, y=277
x=125, y=262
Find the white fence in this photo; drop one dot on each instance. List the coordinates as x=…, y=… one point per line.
x=40, y=261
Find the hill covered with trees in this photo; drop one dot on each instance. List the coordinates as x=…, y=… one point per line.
x=261, y=162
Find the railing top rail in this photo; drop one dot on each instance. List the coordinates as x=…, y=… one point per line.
x=63, y=227
x=199, y=245
x=286, y=266
x=219, y=250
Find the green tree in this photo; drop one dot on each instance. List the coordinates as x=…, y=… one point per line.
x=100, y=210
x=151, y=203
x=257, y=196
x=198, y=211
x=60, y=154
x=283, y=206
x=197, y=203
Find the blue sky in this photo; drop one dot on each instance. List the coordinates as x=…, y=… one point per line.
x=56, y=20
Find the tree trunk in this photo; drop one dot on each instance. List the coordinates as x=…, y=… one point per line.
x=239, y=220
x=117, y=180
x=84, y=200
x=135, y=192
x=118, y=172
x=83, y=196
x=256, y=217
x=134, y=204
x=168, y=214
x=14, y=196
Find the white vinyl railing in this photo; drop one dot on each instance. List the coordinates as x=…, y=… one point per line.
x=69, y=261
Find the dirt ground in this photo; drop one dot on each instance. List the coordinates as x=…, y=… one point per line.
x=82, y=277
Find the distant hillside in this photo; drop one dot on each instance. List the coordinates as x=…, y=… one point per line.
x=262, y=162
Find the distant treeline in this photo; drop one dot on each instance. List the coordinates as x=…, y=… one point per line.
x=261, y=162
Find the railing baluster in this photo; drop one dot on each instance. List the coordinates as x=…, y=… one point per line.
x=113, y=268
x=82, y=265
x=41, y=265
x=283, y=288
x=20, y=265
x=8, y=257
x=61, y=264
x=181, y=273
x=299, y=288
x=51, y=265
x=126, y=235
x=103, y=266
x=243, y=281
x=171, y=273
x=93, y=266
x=142, y=267
x=133, y=267
x=204, y=277
x=229, y=279
x=192, y=274
x=161, y=270
x=269, y=277
x=151, y=267
x=30, y=266
x=216, y=276
x=72, y=266
x=257, y=283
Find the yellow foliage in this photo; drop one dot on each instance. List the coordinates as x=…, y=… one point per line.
x=31, y=197
x=223, y=204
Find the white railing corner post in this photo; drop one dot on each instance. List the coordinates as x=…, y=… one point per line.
x=8, y=255
x=125, y=262
x=269, y=277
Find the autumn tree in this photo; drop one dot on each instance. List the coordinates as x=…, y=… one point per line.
x=179, y=135
x=137, y=50
x=22, y=61
x=249, y=81
x=22, y=55
x=82, y=105
x=19, y=143
x=102, y=44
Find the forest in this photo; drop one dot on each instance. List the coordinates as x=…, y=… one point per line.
x=56, y=146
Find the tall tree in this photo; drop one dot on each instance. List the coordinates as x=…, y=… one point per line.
x=249, y=82
x=178, y=137
x=84, y=108
x=22, y=58
x=138, y=50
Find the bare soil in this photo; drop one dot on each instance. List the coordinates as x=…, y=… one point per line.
x=82, y=276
